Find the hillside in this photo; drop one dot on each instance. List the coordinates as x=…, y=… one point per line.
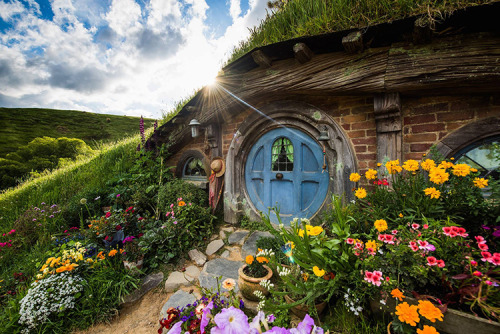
x=22, y=125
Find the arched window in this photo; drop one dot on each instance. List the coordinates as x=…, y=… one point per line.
x=282, y=155
x=484, y=155
x=194, y=170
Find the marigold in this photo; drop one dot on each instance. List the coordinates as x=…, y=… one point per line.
x=262, y=259
x=181, y=203
x=438, y=175
x=380, y=225
x=318, y=272
x=480, y=182
x=393, y=167
x=473, y=170
x=432, y=192
x=396, y=293
x=354, y=177
x=249, y=259
x=445, y=164
x=371, y=244
x=100, y=256
x=461, y=170
x=407, y=313
x=427, y=164
x=314, y=230
x=427, y=330
x=360, y=193
x=371, y=174
x=112, y=252
x=429, y=311
x=411, y=165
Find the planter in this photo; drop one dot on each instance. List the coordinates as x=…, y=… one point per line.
x=248, y=285
x=301, y=310
x=454, y=322
x=133, y=265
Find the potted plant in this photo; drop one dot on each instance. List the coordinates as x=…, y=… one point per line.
x=251, y=274
x=132, y=253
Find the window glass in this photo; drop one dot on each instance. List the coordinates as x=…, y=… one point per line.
x=193, y=169
x=282, y=155
x=484, y=156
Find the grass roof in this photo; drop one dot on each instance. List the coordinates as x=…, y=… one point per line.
x=298, y=18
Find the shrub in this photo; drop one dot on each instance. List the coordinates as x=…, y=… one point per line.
x=178, y=188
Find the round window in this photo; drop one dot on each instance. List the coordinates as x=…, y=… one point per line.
x=194, y=170
x=484, y=155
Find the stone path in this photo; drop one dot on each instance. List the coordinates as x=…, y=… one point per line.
x=221, y=259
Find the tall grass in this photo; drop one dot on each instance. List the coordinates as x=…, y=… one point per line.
x=311, y=17
x=62, y=184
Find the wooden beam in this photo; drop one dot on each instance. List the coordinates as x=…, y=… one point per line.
x=388, y=120
x=422, y=31
x=353, y=43
x=302, y=53
x=261, y=59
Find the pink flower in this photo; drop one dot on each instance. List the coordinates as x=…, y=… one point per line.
x=473, y=263
x=373, y=277
x=171, y=205
x=350, y=241
x=462, y=232
x=495, y=259
x=440, y=263
x=483, y=247
x=447, y=230
x=413, y=245
x=415, y=226
x=480, y=239
x=108, y=214
x=486, y=256
x=477, y=273
x=358, y=245
x=117, y=195
x=394, y=232
x=431, y=261
x=426, y=226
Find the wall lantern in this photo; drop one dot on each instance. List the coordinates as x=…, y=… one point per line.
x=195, y=127
x=323, y=135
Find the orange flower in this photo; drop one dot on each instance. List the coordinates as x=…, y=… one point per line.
x=429, y=311
x=249, y=259
x=396, y=293
x=407, y=313
x=262, y=259
x=305, y=276
x=112, y=252
x=100, y=256
x=122, y=250
x=427, y=330
x=181, y=203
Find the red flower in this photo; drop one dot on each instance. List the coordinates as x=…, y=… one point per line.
x=415, y=226
x=431, y=261
x=140, y=235
x=477, y=273
x=118, y=227
x=483, y=247
x=350, y=241
x=426, y=226
x=129, y=208
x=480, y=239
x=440, y=263
x=108, y=214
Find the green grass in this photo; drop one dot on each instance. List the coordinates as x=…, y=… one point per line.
x=311, y=17
x=22, y=125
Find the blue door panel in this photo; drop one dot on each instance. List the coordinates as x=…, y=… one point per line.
x=297, y=193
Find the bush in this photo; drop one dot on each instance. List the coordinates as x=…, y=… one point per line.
x=178, y=188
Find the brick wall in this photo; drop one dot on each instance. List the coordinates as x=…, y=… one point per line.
x=197, y=143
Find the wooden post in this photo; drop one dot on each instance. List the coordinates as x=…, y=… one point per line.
x=387, y=109
x=302, y=53
x=261, y=59
x=353, y=43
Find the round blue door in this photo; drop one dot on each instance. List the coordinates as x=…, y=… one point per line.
x=284, y=169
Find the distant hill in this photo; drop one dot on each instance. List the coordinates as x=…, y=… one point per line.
x=19, y=126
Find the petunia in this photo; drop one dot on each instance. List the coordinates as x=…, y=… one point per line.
x=176, y=329
x=304, y=327
x=231, y=321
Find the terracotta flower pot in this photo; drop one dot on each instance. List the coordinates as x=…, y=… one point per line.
x=249, y=284
x=301, y=310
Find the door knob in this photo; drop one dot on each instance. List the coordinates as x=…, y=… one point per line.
x=279, y=176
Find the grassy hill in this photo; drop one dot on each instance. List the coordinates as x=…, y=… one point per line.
x=22, y=125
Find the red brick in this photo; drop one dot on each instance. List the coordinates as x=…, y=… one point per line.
x=367, y=141
x=363, y=125
x=367, y=156
x=442, y=135
x=372, y=164
x=363, y=164
x=455, y=116
x=371, y=133
x=420, y=147
x=420, y=119
x=362, y=109
x=427, y=128
x=346, y=126
x=354, y=118
x=356, y=134
x=430, y=108
x=360, y=148
x=417, y=138
x=371, y=148
x=414, y=156
x=491, y=112
x=453, y=126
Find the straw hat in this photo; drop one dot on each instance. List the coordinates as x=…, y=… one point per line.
x=218, y=166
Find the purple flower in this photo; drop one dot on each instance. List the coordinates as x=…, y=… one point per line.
x=176, y=329
x=231, y=321
x=277, y=330
x=141, y=130
x=271, y=318
x=128, y=239
x=117, y=195
x=175, y=222
x=204, y=317
x=43, y=203
x=242, y=304
x=260, y=317
x=496, y=233
x=34, y=219
x=304, y=327
x=155, y=126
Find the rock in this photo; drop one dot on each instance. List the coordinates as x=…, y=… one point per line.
x=214, y=246
x=237, y=237
x=192, y=272
x=179, y=299
x=228, y=229
x=250, y=305
x=147, y=284
x=250, y=245
x=225, y=254
x=209, y=281
x=216, y=268
x=198, y=257
x=175, y=280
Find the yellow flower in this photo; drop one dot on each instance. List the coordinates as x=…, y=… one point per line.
x=371, y=244
x=314, y=230
x=360, y=193
x=292, y=244
x=396, y=293
x=301, y=233
x=445, y=164
x=112, y=252
x=407, y=313
x=480, y=182
x=181, y=203
x=428, y=164
x=393, y=167
x=305, y=276
x=249, y=259
x=371, y=174
x=318, y=272
x=229, y=284
x=432, y=192
x=438, y=175
x=380, y=225
x=429, y=311
x=473, y=170
x=354, y=177
x=411, y=165
x=262, y=259
x=427, y=330
x=401, y=215
x=379, y=164
x=461, y=170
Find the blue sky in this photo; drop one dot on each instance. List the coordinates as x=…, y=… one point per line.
x=127, y=57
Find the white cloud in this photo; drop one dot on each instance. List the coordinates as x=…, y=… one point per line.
x=234, y=9
x=9, y=9
x=124, y=16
